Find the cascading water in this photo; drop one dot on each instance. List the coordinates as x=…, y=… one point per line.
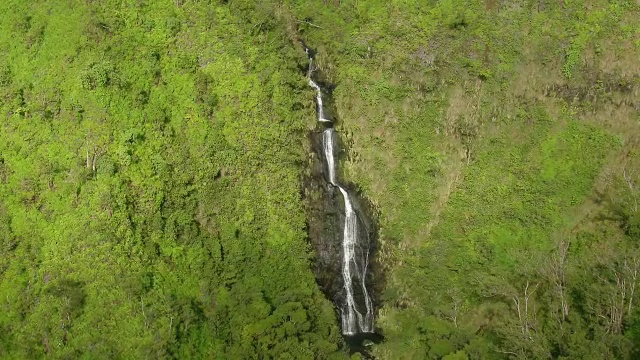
x=313, y=84
x=356, y=307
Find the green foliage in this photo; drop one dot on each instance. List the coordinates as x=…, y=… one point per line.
x=151, y=156
x=97, y=75
x=149, y=183
x=476, y=131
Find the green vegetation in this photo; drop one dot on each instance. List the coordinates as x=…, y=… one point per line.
x=150, y=206
x=151, y=156
x=499, y=142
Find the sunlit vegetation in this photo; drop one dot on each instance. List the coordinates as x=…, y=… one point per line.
x=151, y=157
x=149, y=187
x=499, y=141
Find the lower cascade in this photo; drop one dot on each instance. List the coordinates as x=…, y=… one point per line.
x=356, y=305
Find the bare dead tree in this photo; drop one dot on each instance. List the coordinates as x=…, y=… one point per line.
x=631, y=268
x=308, y=23
x=526, y=313
x=524, y=304
x=555, y=272
x=96, y=154
x=92, y=159
x=87, y=148
x=632, y=186
x=620, y=300
x=456, y=301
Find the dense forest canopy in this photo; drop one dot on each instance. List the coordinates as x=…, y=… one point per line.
x=152, y=156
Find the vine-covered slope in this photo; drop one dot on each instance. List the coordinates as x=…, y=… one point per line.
x=499, y=141
x=152, y=155
x=150, y=169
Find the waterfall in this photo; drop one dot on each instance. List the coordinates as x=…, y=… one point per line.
x=327, y=144
x=357, y=307
x=318, y=90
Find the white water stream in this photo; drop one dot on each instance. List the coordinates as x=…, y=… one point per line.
x=316, y=87
x=357, y=310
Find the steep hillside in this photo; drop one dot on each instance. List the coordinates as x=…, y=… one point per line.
x=153, y=154
x=499, y=141
x=149, y=186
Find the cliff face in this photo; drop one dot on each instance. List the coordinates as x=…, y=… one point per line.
x=348, y=281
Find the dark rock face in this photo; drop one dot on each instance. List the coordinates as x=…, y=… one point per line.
x=325, y=214
x=326, y=220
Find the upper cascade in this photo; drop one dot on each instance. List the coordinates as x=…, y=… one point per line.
x=317, y=88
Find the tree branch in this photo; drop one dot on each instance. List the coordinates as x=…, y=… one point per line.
x=310, y=24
